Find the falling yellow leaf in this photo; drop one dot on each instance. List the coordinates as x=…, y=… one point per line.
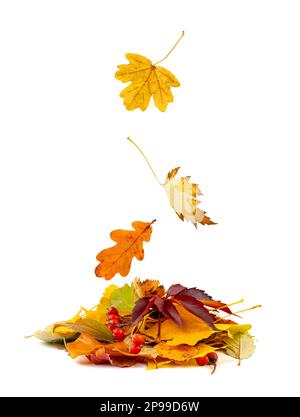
x=147, y=79
x=182, y=196
x=193, y=330
x=148, y=288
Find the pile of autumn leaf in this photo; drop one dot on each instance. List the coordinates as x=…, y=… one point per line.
x=178, y=325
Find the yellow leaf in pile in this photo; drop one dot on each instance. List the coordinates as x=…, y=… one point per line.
x=84, y=345
x=177, y=353
x=233, y=329
x=148, y=288
x=203, y=349
x=240, y=346
x=105, y=302
x=193, y=330
x=158, y=363
x=61, y=334
x=146, y=352
x=147, y=79
x=182, y=196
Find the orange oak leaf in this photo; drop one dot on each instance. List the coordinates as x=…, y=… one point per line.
x=147, y=79
x=118, y=258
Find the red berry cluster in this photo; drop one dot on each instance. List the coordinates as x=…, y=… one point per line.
x=209, y=359
x=114, y=323
x=136, y=343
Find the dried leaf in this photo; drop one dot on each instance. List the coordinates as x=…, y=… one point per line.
x=118, y=258
x=50, y=337
x=84, y=345
x=105, y=302
x=193, y=330
x=91, y=327
x=146, y=352
x=169, y=310
x=158, y=363
x=147, y=79
x=176, y=289
x=100, y=357
x=203, y=349
x=182, y=196
x=148, y=288
x=142, y=306
x=125, y=361
x=124, y=299
x=196, y=307
x=241, y=346
x=177, y=353
x=232, y=328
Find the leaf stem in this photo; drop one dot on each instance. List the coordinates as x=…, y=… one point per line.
x=171, y=50
x=144, y=156
x=241, y=311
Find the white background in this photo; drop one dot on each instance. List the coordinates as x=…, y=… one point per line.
x=68, y=177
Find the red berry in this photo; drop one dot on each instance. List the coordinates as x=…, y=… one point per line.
x=111, y=327
x=112, y=310
x=138, y=339
x=112, y=316
x=212, y=357
x=202, y=361
x=118, y=333
x=113, y=321
x=135, y=349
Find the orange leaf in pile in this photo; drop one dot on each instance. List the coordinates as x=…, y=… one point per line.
x=118, y=258
x=148, y=288
x=84, y=345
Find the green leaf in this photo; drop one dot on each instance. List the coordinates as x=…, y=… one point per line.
x=89, y=326
x=124, y=299
x=240, y=346
x=49, y=337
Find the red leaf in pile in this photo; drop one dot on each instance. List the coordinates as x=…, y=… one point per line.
x=170, y=311
x=141, y=308
x=175, y=289
x=196, y=307
x=198, y=294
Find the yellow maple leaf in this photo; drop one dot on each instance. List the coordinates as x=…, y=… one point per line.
x=193, y=330
x=182, y=195
x=147, y=79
